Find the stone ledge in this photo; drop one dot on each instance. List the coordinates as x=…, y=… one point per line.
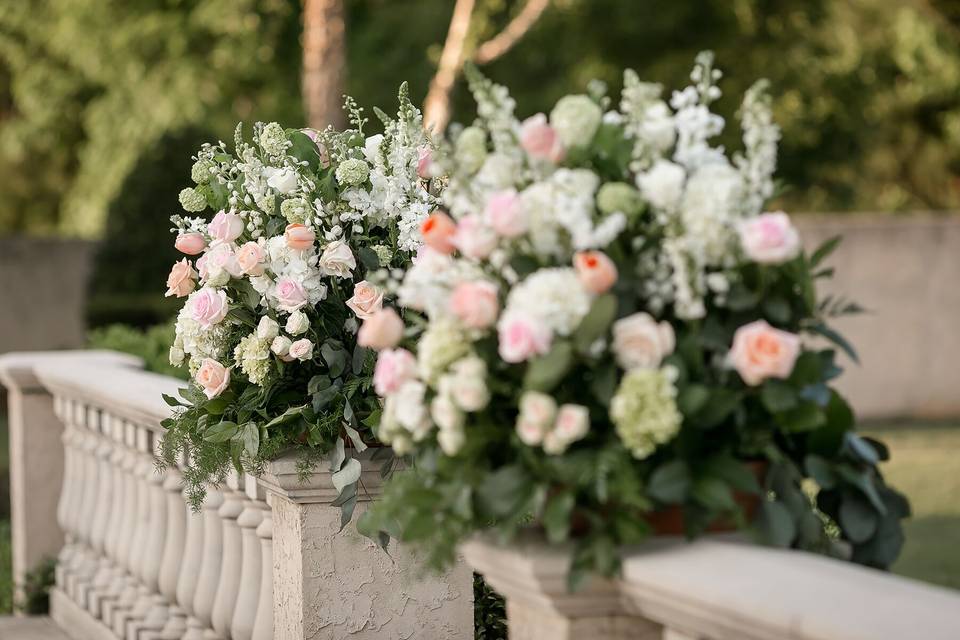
x=18, y=368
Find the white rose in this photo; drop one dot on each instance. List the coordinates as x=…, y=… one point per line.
x=451, y=440
x=407, y=408
x=281, y=347
x=445, y=413
x=268, y=329
x=337, y=260
x=217, y=276
x=537, y=409
x=283, y=180
x=176, y=356
x=662, y=185
x=770, y=238
x=301, y=349
x=573, y=422
x=468, y=386
x=297, y=323
x=640, y=342
x=553, y=444
x=530, y=433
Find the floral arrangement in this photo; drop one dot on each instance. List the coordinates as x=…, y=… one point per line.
x=276, y=284
x=604, y=331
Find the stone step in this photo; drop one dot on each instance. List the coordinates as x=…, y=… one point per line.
x=34, y=628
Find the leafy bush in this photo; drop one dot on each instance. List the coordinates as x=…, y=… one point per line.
x=153, y=345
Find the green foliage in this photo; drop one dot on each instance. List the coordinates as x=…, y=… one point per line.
x=152, y=344
x=489, y=612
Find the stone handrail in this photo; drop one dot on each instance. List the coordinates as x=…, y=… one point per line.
x=712, y=589
x=264, y=558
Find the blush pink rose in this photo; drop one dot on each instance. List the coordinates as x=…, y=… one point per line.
x=475, y=304
x=382, y=330
x=225, y=227
x=290, y=294
x=522, y=337
x=190, y=243
x=250, y=258
x=367, y=299
x=759, y=352
x=299, y=237
x=473, y=238
x=301, y=349
x=505, y=215
x=595, y=270
x=438, y=231
x=540, y=140
x=425, y=163
x=182, y=279
x=219, y=259
x=573, y=422
x=770, y=238
x=213, y=377
x=394, y=368
x=209, y=306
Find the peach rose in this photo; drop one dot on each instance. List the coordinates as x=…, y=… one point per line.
x=367, y=299
x=225, y=227
x=475, y=303
x=438, y=231
x=521, y=337
x=759, y=352
x=182, y=279
x=299, y=237
x=770, y=238
x=382, y=330
x=190, y=243
x=540, y=140
x=290, y=294
x=596, y=271
x=640, y=342
x=394, y=367
x=213, y=377
x=473, y=238
x=209, y=306
x=250, y=258
x=505, y=215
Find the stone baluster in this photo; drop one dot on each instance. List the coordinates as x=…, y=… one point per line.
x=191, y=564
x=123, y=589
x=103, y=454
x=263, y=628
x=85, y=566
x=68, y=492
x=212, y=557
x=251, y=564
x=229, y=583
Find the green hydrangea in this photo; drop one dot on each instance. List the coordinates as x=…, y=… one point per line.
x=294, y=210
x=200, y=172
x=441, y=345
x=353, y=171
x=619, y=197
x=253, y=356
x=273, y=139
x=192, y=200
x=471, y=149
x=576, y=120
x=644, y=411
x=384, y=254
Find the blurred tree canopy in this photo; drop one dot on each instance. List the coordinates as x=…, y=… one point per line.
x=867, y=91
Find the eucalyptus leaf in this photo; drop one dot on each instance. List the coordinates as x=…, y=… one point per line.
x=348, y=474
x=857, y=518
x=597, y=321
x=221, y=432
x=545, y=372
x=776, y=525
x=670, y=482
x=337, y=455
x=251, y=439
x=355, y=438
x=556, y=517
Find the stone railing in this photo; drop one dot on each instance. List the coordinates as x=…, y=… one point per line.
x=264, y=558
x=713, y=589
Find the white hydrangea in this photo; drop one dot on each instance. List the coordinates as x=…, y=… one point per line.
x=554, y=296
x=711, y=211
x=662, y=185
x=576, y=119
x=442, y=344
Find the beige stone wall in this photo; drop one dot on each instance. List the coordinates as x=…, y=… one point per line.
x=906, y=271
x=43, y=291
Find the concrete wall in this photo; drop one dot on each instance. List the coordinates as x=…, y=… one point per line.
x=43, y=291
x=906, y=271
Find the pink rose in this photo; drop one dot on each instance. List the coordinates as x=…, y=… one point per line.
x=475, y=303
x=573, y=422
x=596, y=271
x=382, y=330
x=301, y=349
x=190, y=243
x=209, y=306
x=299, y=237
x=522, y=338
x=394, y=368
x=640, y=342
x=182, y=279
x=213, y=377
x=770, y=238
x=759, y=352
x=367, y=299
x=473, y=238
x=505, y=214
x=437, y=232
x=225, y=227
x=540, y=140
x=425, y=163
x=250, y=258
x=289, y=294
x=220, y=259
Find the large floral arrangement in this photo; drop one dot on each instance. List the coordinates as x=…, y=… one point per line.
x=304, y=223
x=606, y=331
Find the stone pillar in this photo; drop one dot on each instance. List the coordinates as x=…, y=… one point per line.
x=36, y=456
x=329, y=583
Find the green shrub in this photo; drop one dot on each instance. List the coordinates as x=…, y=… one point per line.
x=153, y=345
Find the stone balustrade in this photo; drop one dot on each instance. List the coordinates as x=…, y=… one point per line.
x=717, y=588
x=264, y=558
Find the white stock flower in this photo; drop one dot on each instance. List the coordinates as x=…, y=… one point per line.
x=662, y=185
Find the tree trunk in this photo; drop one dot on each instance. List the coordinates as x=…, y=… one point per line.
x=324, y=62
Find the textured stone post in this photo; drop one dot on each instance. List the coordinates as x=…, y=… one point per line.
x=36, y=456
x=329, y=584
